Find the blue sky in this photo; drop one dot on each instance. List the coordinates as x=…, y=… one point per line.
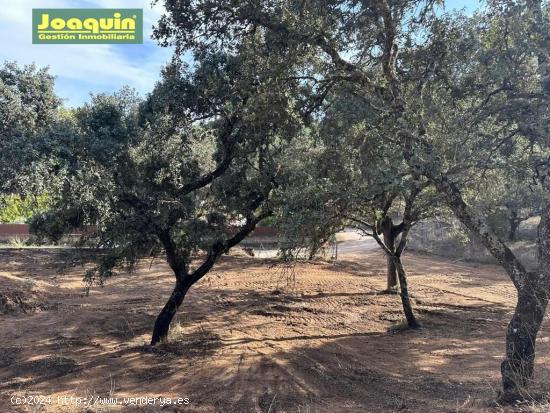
x=81, y=69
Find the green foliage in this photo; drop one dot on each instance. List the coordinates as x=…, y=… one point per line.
x=181, y=173
x=16, y=209
x=28, y=107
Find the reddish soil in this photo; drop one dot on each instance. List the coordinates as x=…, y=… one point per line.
x=252, y=337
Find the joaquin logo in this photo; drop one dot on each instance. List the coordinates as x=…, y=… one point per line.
x=55, y=26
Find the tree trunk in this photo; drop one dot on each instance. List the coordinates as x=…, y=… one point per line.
x=162, y=323
x=389, y=235
x=522, y=331
x=514, y=225
x=532, y=288
x=517, y=368
x=405, y=299
x=184, y=279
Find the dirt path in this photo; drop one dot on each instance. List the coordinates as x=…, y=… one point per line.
x=252, y=337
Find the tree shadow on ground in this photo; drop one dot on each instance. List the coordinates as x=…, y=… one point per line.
x=451, y=365
x=242, y=349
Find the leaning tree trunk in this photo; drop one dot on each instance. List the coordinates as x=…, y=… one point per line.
x=533, y=296
x=162, y=323
x=185, y=279
x=532, y=289
x=405, y=298
x=517, y=368
x=389, y=235
x=395, y=256
x=522, y=331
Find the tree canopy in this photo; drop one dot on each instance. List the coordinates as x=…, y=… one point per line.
x=28, y=108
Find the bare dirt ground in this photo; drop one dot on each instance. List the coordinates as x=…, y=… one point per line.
x=252, y=338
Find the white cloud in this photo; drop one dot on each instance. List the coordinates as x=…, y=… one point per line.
x=103, y=67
